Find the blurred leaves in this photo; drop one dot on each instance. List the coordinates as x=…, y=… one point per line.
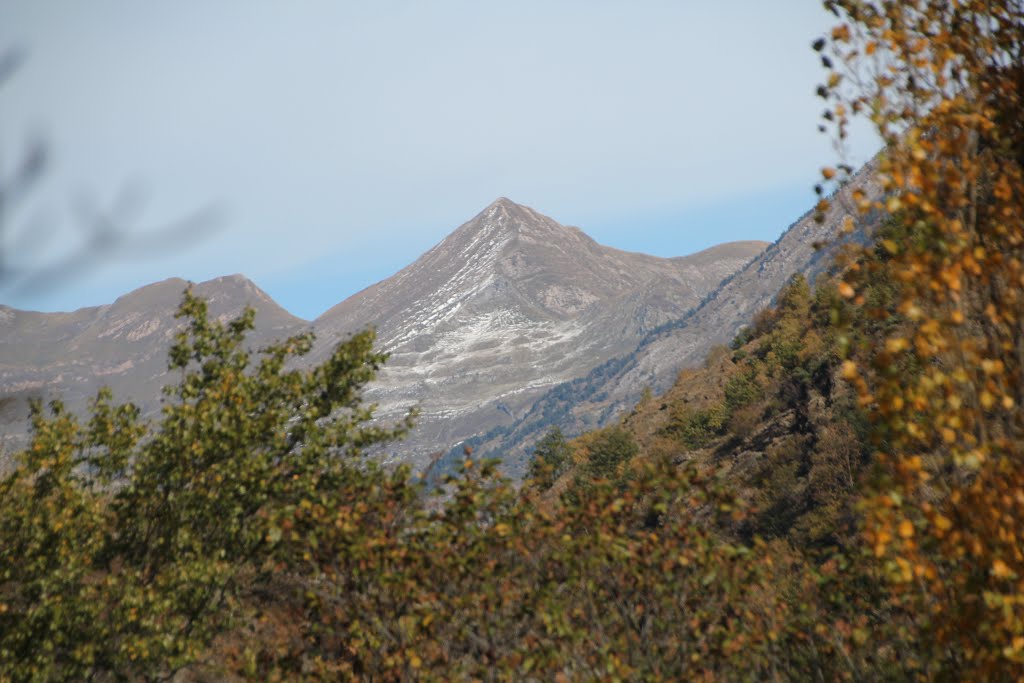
x=27, y=263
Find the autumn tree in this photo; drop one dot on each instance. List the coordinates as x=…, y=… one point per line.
x=942, y=83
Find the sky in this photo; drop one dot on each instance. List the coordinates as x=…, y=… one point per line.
x=318, y=146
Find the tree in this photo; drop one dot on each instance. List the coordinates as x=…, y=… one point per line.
x=610, y=449
x=126, y=550
x=551, y=458
x=943, y=84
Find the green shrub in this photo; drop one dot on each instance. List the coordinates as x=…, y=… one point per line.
x=696, y=428
x=612, y=447
x=551, y=458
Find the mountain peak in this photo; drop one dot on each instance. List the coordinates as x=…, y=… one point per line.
x=503, y=202
x=233, y=281
x=234, y=277
x=504, y=218
x=503, y=206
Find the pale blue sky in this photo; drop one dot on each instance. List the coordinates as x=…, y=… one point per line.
x=338, y=139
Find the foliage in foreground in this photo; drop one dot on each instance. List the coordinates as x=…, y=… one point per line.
x=245, y=536
x=943, y=83
x=127, y=549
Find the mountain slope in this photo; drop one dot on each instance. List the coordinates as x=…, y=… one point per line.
x=602, y=395
x=122, y=345
x=508, y=305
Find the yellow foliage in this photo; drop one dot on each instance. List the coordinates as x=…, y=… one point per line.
x=944, y=90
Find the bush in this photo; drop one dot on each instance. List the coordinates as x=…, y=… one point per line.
x=696, y=428
x=610, y=449
x=551, y=458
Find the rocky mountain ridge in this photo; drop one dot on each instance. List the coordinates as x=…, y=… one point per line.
x=508, y=305
x=602, y=395
x=505, y=307
x=122, y=345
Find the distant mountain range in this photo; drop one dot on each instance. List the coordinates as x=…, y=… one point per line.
x=511, y=323
x=122, y=345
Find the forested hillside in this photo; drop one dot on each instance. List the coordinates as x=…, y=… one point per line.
x=837, y=495
x=609, y=390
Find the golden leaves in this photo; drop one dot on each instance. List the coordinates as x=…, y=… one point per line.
x=987, y=399
x=841, y=33
x=848, y=370
x=992, y=366
x=896, y=344
x=906, y=529
x=948, y=378
x=882, y=538
x=1001, y=570
x=1002, y=189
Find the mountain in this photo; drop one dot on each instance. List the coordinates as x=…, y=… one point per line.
x=508, y=305
x=601, y=396
x=122, y=345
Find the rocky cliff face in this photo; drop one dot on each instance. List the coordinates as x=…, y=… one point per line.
x=507, y=306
